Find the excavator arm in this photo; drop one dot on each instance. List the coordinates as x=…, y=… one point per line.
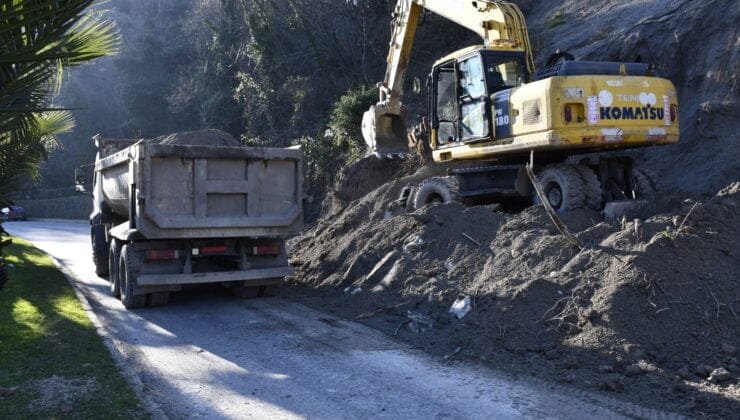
x=500, y=25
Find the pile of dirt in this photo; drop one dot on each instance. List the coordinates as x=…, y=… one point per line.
x=647, y=308
x=210, y=137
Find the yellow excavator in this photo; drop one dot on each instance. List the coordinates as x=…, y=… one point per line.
x=487, y=103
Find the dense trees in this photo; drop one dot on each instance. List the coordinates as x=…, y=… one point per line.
x=271, y=72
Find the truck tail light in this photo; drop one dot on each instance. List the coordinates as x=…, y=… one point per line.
x=674, y=113
x=568, y=114
x=266, y=250
x=219, y=249
x=159, y=254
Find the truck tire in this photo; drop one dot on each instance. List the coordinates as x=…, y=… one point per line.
x=243, y=291
x=563, y=187
x=159, y=298
x=99, y=249
x=644, y=186
x=127, y=275
x=443, y=189
x=269, y=290
x=114, y=255
x=592, y=185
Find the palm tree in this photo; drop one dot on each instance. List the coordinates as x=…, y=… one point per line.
x=39, y=39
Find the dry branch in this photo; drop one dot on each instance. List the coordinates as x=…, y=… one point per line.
x=548, y=208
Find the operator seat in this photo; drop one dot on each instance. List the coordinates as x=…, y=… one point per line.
x=496, y=82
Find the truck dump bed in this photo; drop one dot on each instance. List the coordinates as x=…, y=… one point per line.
x=176, y=191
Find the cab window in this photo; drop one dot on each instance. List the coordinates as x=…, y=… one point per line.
x=446, y=106
x=474, y=121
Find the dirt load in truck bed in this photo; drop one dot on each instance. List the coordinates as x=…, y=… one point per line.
x=210, y=137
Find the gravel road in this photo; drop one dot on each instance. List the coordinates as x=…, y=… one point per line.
x=208, y=354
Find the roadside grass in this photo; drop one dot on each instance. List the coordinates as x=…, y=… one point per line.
x=53, y=364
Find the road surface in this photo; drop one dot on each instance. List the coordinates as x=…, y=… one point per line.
x=211, y=355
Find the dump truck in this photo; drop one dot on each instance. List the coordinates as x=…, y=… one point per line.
x=489, y=108
x=193, y=208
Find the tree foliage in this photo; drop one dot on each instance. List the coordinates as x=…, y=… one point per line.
x=38, y=40
x=271, y=72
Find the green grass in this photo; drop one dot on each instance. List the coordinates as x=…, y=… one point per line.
x=45, y=333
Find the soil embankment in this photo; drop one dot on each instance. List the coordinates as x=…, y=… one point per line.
x=648, y=309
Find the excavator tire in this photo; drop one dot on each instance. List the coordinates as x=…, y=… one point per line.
x=644, y=186
x=442, y=189
x=592, y=185
x=563, y=186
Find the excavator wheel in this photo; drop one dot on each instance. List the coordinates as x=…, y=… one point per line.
x=563, y=187
x=592, y=185
x=644, y=186
x=437, y=190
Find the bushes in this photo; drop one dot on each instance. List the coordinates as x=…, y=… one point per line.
x=341, y=144
x=346, y=117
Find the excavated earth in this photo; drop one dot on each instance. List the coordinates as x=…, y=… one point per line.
x=646, y=309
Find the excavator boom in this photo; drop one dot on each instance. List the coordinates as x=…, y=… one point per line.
x=500, y=25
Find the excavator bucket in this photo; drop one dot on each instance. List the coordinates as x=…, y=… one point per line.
x=385, y=132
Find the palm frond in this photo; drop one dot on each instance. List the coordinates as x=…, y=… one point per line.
x=38, y=40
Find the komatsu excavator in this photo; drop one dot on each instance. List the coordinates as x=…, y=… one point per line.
x=487, y=103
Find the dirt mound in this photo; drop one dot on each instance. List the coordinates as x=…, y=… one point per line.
x=210, y=137
x=641, y=304
x=647, y=309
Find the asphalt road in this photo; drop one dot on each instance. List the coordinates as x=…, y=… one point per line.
x=208, y=354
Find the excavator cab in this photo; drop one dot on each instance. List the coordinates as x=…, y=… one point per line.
x=465, y=81
x=468, y=95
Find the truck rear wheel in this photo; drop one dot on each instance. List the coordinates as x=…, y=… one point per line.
x=159, y=298
x=243, y=291
x=269, y=290
x=114, y=256
x=563, y=187
x=436, y=190
x=99, y=249
x=127, y=275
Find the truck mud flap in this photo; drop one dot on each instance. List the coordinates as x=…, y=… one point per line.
x=218, y=277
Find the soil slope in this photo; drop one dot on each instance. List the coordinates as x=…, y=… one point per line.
x=647, y=309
